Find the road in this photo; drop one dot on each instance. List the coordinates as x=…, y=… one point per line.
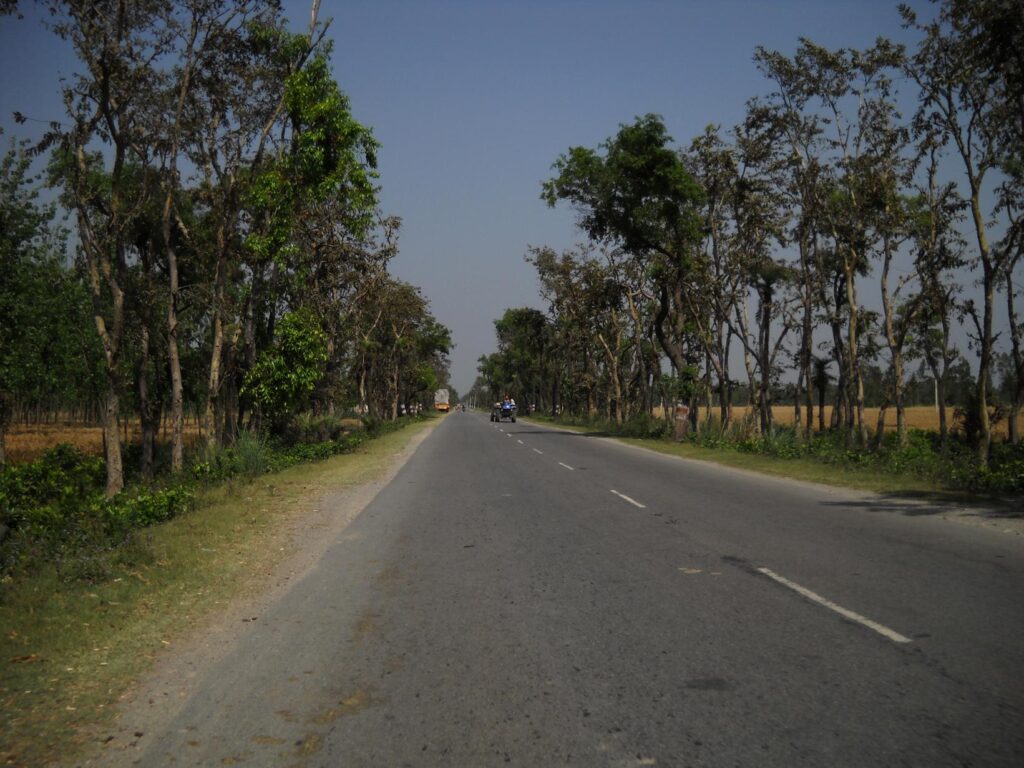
x=528, y=596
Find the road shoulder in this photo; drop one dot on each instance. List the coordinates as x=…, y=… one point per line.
x=154, y=700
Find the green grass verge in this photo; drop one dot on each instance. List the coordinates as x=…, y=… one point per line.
x=68, y=648
x=805, y=469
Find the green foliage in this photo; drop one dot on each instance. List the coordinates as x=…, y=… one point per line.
x=332, y=153
x=138, y=508
x=48, y=345
x=645, y=426
x=253, y=455
x=634, y=191
x=957, y=468
x=55, y=507
x=311, y=428
x=40, y=490
x=285, y=375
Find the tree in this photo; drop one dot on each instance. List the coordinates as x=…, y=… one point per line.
x=107, y=103
x=849, y=93
x=46, y=350
x=969, y=100
x=635, y=193
x=572, y=366
x=286, y=374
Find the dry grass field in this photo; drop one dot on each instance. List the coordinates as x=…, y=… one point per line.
x=26, y=442
x=919, y=417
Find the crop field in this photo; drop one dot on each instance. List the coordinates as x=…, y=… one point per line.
x=26, y=442
x=918, y=417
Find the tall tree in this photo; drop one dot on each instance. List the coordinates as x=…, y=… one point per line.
x=634, y=192
x=107, y=103
x=970, y=99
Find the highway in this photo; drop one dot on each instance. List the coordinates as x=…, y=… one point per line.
x=521, y=595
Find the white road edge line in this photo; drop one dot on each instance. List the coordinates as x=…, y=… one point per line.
x=540, y=452
x=565, y=465
x=634, y=502
x=884, y=631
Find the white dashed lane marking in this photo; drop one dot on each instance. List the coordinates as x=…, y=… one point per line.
x=884, y=631
x=565, y=465
x=634, y=502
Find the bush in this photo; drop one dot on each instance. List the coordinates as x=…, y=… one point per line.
x=141, y=508
x=307, y=428
x=643, y=426
x=36, y=491
x=252, y=454
x=54, y=510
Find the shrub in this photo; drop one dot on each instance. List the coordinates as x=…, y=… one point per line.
x=308, y=428
x=645, y=426
x=54, y=510
x=142, y=508
x=62, y=476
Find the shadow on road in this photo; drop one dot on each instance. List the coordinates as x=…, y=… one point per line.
x=925, y=503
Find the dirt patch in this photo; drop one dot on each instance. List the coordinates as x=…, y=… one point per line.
x=155, y=701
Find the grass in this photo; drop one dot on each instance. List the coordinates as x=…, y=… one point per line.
x=806, y=469
x=70, y=648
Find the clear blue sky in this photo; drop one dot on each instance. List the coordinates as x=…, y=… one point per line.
x=474, y=99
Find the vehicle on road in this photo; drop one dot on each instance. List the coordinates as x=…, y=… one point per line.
x=441, y=399
x=504, y=411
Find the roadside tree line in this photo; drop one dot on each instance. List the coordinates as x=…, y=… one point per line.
x=757, y=242
x=228, y=252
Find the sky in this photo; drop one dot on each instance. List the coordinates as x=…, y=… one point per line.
x=473, y=100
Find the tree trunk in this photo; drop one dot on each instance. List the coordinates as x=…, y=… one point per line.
x=797, y=415
x=112, y=439
x=5, y=418
x=900, y=397
x=985, y=331
x=764, y=363
x=616, y=382
x=821, y=408
x=880, y=426
x=213, y=391
x=394, y=394
x=859, y=431
x=147, y=423
x=1017, y=357
x=177, y=394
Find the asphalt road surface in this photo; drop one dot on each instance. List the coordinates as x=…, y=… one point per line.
x=521, y=595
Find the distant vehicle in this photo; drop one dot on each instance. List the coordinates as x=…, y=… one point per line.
x=504, y=411
x=441, y=401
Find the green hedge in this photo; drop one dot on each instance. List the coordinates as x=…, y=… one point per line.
x=54, y=510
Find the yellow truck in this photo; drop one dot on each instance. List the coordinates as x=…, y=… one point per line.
x=441, y=401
